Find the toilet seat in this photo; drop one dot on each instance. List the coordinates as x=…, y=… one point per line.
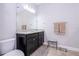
x=14, y=53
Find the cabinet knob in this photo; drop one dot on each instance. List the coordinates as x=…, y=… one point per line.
x=33, y=39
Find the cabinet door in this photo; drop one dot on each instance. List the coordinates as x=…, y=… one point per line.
x=31, y=43
x=41, y=38
x=35, y=43
x=21, y=42
x=29, y=46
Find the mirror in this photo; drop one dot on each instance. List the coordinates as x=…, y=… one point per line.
x=26, y=17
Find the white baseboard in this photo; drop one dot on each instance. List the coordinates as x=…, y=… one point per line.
x=67, y=47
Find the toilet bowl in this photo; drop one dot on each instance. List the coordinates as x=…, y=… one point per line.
x=14, y=53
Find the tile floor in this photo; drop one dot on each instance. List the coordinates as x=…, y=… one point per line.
x=44, y=51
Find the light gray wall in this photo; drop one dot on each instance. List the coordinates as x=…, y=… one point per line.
x=69, y=13
x=1, y=17
x=7, y=21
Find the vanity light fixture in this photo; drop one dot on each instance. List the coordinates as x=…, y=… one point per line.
x=26, y=7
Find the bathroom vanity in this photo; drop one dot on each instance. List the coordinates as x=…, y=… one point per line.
x=29, y=41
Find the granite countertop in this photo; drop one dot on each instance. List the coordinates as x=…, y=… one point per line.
x=30, y=31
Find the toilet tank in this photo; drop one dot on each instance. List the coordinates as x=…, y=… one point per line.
x=7, y=45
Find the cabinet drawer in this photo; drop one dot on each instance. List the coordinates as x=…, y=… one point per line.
x=34, y=35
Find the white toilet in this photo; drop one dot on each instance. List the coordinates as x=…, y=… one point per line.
x=14, y=53
x=7, y=48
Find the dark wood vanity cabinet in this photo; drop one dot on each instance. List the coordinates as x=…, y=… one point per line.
x=28, y=43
